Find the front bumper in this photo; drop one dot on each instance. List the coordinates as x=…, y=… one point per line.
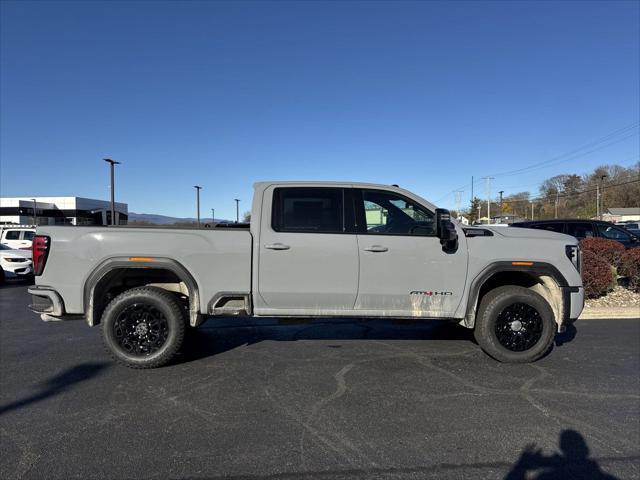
x=17, y=270
x=573, y=302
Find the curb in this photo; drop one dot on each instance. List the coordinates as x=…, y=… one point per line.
x=614, y=313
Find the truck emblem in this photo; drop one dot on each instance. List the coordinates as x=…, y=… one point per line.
x=429, y=293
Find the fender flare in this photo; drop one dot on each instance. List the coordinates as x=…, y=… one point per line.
x=122, y=262
x=537, y=268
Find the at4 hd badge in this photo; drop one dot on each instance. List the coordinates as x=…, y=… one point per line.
x=430, y=293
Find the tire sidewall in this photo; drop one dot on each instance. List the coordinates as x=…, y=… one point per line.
x=496, y=303
x=175, y=324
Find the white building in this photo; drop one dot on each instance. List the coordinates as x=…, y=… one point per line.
x=622, y=214
x=60, y=211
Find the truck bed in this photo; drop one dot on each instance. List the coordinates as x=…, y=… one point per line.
x=218, y=259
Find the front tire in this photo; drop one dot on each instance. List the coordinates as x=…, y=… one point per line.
x=143, y=327
x=515, y=325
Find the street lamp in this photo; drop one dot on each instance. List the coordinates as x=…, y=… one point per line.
x=198, y=188
x=213, y=216
x=35, y=215
x=237, y=209
x=113, y=202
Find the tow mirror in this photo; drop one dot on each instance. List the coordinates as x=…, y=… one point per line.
x=446, y=231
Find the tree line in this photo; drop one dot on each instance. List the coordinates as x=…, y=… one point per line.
x=568, y=195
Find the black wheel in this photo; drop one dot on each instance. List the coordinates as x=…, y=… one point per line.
x=1, y=276
x=515, y=325
x=143, y=327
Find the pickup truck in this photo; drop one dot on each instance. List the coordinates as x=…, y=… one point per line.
x=312, y=249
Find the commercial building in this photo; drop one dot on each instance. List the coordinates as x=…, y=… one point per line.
x=60, y=211
x=622, y=214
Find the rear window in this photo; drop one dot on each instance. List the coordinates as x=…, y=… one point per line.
x=310, y=210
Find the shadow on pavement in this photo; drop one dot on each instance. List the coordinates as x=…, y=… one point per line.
x=213, y=338
x=572, y=463
x=58, y=384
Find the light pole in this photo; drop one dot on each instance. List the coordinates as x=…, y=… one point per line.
x=112, y=163
x=237, y=209
x=198, y=188
x=213, y=216
x=35, y=215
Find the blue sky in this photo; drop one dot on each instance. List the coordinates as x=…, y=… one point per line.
x=423, y=94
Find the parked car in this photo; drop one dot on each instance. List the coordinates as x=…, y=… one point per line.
x=14, y=263
x=585, y=229
x=17, y=236
x=311, y=249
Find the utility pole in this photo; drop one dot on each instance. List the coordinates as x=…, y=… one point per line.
x=35, y=214
x=198, y=188
x=487, y=186
x=237, y=209
x=479, y=212
x=112, y=163
x=601, y=197
x=471, y=188
x=532, y=205
x=213, y=216
x=458, y=194
x=501, y=192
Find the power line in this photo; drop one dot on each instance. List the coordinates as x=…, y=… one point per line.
x=573, y=194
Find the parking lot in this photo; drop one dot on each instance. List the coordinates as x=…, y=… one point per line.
x=331, y=399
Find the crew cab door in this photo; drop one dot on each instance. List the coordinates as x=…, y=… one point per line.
x=308, y=258
x=403, y=268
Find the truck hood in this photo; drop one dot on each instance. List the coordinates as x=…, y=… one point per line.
x=532, y=233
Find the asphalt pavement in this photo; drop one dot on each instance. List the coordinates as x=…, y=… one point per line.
x=329, y=399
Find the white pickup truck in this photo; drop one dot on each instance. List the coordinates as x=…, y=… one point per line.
x=312, y=249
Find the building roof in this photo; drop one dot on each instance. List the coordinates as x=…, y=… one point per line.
x=624, y=211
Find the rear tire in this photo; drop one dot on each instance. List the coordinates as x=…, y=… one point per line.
x=515, y=325
x=143, y=327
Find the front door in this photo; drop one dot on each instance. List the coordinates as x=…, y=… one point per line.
x=308, y=258
x=403, y=269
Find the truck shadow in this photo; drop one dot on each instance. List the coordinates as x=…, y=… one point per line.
x=217, y=336
x=58, y=384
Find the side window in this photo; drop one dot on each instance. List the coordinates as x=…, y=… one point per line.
x=28, y=235
x=613, y=233
x=391, y=214
x=312, y=210
x=12, y=235
x=552, y=227
x=580, y=230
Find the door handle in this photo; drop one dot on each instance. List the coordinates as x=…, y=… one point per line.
x=277, y=246
x=376, y=248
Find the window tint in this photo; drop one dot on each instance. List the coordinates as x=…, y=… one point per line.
x=553, y=227
x=614, y=233
x=317, y=210
x=580, y=230
x=28, y=235
x=389, y=213
x=12, y=235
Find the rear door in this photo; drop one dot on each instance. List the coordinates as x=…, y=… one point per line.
x=308, y=257
x=581, y=230
x=403, y=269
x=13, y=238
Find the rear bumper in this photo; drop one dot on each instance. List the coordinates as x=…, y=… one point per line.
x=46, y=301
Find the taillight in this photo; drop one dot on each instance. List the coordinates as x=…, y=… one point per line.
x=39, y=253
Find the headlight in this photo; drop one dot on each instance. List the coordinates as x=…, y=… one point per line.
x=573, y=254
x=16, y=259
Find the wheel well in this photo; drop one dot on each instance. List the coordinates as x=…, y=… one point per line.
x=541, y=283
x=119, y=279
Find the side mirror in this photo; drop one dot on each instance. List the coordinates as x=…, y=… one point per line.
x=446, y=231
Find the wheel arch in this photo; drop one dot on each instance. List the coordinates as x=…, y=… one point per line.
x=542, y=277
x=116, y=270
